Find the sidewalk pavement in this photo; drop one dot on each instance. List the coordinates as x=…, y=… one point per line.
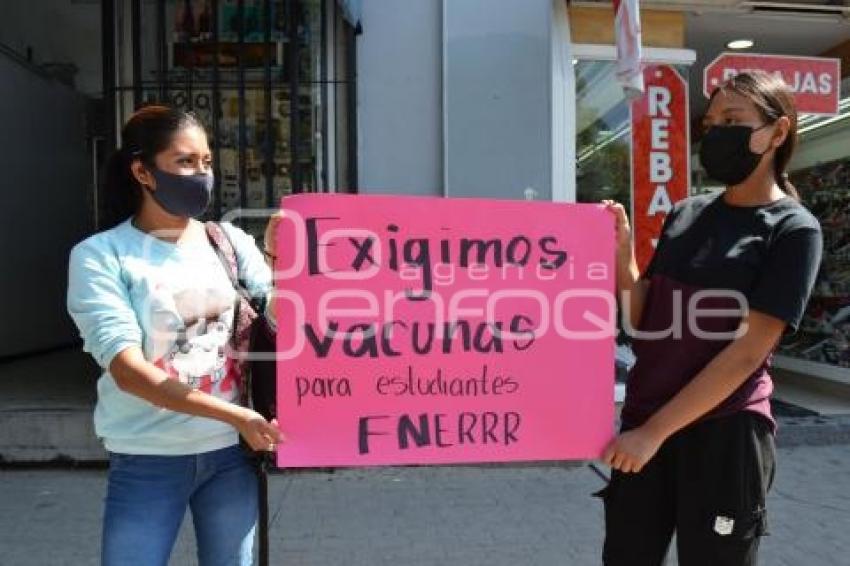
x=444, y=516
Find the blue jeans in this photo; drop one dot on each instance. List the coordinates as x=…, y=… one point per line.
x=148, y=495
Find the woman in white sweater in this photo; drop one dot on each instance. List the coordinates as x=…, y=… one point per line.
x=155, y=308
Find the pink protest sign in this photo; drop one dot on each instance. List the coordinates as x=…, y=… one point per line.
x=428, y=331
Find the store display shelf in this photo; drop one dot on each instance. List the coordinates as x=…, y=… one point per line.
x=234, y=40
x=829, y=372
x=226, y=54
x=831, y=256
x=180, y=84
x=836, y=295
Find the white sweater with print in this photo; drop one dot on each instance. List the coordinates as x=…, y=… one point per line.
x=174, y=301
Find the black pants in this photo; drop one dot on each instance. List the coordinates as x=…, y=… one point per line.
x=707, y=483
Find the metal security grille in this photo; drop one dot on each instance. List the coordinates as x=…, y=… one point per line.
x=272, y=80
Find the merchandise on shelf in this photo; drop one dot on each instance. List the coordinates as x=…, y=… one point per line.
x=189, y=83
x=824, y=334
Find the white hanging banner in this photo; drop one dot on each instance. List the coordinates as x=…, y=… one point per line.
x=627, y=33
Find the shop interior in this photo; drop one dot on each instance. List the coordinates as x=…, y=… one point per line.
x=281, y=91
x=812, y=366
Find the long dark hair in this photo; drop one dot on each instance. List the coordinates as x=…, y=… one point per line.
x=148, y=132
x=773, y=98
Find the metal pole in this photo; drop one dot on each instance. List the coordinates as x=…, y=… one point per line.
x=136, y=35
x=162, y=52
x=216, y=108
x=294, y=44
x=240, y=78
x=107, y=24
x=269, y=140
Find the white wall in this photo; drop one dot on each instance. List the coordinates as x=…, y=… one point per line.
x=399, y=98
x=466, y=98
x=498, y=98
x=46, y=207
x=58, y=31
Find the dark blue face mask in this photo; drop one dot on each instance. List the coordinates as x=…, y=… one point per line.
x=182, y=195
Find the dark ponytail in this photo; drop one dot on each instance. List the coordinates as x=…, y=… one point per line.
x=148, y=132
x=122, y=193
x=785, y=184
x=773, y=99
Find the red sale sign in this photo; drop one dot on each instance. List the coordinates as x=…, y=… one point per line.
x=816, y=81
x=660, y=155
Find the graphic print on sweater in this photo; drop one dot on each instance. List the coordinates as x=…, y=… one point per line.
x=197, y=328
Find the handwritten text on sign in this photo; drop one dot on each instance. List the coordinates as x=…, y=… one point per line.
x=425, y=330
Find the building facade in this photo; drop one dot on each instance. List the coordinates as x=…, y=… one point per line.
x=456, y=98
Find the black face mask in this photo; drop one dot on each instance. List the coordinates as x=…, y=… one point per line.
x=726, y=155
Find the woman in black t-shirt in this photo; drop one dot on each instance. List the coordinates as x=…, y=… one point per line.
x=731, y=273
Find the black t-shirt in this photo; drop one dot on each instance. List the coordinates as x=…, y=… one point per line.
x=770, y=254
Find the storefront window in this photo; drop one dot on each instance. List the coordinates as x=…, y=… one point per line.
x=603, y=151
x=603, y=135
x=821, y=175
x=270, y=79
